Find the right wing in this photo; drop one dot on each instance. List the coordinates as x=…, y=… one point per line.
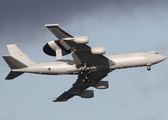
x=66, y=46
x=58, y=32
x=81, y=51
x=61, y=35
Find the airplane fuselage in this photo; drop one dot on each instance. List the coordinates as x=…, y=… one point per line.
x=89, y=63
x=121, y=61
x=139, y=59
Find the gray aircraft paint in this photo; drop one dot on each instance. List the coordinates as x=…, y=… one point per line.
x=121, y=61
x=89, y=63
x=135, y=59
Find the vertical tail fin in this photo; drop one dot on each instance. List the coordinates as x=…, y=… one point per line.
x=16, y=60
x=15, y=52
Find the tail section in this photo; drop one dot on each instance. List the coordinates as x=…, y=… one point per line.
x=15, y=52
x=17, y=60
x=13, y=64
x=13, y=75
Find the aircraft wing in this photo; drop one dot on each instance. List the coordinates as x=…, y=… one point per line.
x=61, y=35
x=79, y=86
x=58, y=32
x=81, y=52
x=82, y=55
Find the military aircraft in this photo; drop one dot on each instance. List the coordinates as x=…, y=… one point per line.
x=88, y=63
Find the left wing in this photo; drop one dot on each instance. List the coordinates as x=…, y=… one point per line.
x=79, y=86
x=83, y=58
x=80, y=58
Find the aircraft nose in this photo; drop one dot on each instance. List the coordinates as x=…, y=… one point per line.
x=160, y=57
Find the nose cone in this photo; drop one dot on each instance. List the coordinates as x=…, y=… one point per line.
x=160, y=58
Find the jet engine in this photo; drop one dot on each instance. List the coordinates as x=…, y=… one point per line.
x=78, y=39
x=98, y=50
x=87, y=94
x=51, y=47
x=101, y=85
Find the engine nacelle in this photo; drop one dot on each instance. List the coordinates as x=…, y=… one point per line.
x=87, y=94
x=101, y=85
x=78, y=39
x=81, y=40
x=98, y=50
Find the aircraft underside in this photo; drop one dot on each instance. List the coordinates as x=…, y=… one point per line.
x=90, y=64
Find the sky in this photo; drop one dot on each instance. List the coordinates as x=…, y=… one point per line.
x=121, y=26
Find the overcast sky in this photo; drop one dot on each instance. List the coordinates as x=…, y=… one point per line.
x=121, y=26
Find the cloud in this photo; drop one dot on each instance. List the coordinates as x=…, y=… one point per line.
x=21, y=20
x=63, y=10
x=119, y=25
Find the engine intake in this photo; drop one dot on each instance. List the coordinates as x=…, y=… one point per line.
x=87, y=94
x=101, y=85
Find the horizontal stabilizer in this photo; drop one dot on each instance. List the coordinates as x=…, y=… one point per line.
x=13, y=75
x=13, y=63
